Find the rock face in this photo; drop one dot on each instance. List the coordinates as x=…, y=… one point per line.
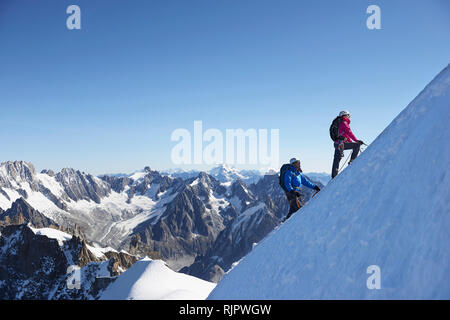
x=29, y=264
x=51, y=173
x=118, y=184
x=34, y=266
x=152, y=184
x=16, y=175
x=139, y=248
x=81, y=186
x=120, y=261
x=189, y=224
x=21, y=212
x=79, y=253
x=29, y=253
x=13, y=172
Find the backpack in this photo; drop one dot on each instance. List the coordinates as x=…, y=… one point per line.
x=334, y=129
x=283, y=170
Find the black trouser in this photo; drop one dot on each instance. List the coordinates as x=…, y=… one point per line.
x=338, y=154
x=295, y=203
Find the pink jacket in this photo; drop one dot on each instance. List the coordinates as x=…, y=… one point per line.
x=345, y=131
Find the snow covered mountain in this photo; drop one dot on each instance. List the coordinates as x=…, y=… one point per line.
x=34, y=264
x=226, y=173
x=145, y=211
x=106, y=210
x=151, y=279
x=21, y=212
x=223, y=173
x=379, y=230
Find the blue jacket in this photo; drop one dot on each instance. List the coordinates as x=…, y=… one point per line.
x=294, y=179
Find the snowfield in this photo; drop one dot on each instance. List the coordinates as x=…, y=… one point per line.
x=390, y=208
x=151, y=279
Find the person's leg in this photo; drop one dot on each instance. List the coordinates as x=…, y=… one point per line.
x=294, y=205
x=355, y=147
x=336, y=160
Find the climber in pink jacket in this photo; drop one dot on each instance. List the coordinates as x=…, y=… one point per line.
x=346, y=140
x=345, y=131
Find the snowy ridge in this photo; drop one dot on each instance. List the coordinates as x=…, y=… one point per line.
x=224, y=173
x=151, y=279
x=390, y=208
x=61, y=237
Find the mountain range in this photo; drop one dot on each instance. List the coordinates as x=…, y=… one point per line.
x=198, y=225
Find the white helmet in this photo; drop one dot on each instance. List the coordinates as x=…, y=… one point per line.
x=344, y=113
x=293, y=160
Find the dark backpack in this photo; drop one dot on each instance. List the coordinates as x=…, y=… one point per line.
x=283, y=170
x=334, y=129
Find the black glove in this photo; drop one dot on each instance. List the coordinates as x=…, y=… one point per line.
x=361, y=142
x=295, y=193
x=316, y=188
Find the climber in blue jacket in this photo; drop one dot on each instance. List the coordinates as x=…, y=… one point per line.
x=293, y=180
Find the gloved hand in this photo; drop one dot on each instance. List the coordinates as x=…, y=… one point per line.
x=361, y=142
x=295, y=193
x=316, y=188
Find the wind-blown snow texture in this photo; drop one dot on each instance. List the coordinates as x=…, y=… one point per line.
x=152, y=280
x=390, y=208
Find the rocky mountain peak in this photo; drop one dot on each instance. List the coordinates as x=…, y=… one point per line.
x=34, y=265
x=240, y=190
x=207, y=180
x=16, y=171
x=81, y=186
x=21, y=212
x=51, y=173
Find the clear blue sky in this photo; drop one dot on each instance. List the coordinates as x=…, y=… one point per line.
x=106, y=98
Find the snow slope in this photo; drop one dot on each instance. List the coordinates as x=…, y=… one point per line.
x=151, y=279
x=51, y=233
x=390, y=208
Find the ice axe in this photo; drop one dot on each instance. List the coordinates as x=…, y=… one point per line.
x=362, y=142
